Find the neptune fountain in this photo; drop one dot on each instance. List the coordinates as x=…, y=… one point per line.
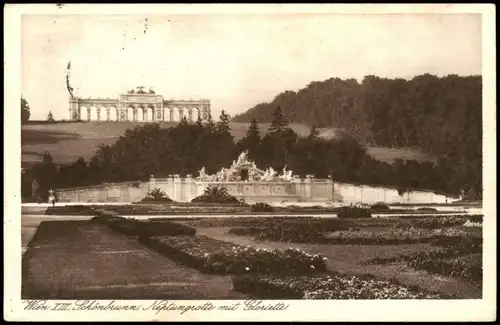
x=244, y=170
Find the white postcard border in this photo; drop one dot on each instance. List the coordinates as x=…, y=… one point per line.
x=298, y=310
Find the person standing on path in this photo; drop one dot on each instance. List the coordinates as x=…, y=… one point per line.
x=52, y=198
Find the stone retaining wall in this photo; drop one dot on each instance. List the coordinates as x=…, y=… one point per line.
x=300, y=190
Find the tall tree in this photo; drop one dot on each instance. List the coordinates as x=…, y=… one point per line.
x=279, y=122
x=251, y=141
x=25, y=111
x=223, y=123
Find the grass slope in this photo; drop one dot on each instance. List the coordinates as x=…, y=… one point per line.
x=66, y=142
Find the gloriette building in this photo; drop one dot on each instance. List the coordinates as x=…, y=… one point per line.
x=145, y=107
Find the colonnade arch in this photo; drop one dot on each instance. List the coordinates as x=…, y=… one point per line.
x=139, y=112
x=107, y=113
x=113, y=113
x=131, y=114
x=84, y=113
x=150, y=112
x=196, y=114
x=176, y=113
x=94, y=114
x=138, y=107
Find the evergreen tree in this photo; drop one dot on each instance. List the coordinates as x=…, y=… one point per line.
x=223, y=123
x=50, y=118
x=25, y=111
x=224, y=141
x=251, y=141
x=46, y=173
x=210, y=126
x=279, y=122
x=253, y=132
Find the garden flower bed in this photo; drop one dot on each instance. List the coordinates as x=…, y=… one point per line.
x=136, y=228
x=476, y=218
x=395, y=236
x=162, y=209
x=459, y=257
x=246, y=231
x=256, y=221
x=473, y=224
x=431, y=222
x=213, y=256
x=370, y=231
x=331, y=286
x=469, y=267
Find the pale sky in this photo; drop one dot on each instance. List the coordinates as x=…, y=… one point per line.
x=236, y=61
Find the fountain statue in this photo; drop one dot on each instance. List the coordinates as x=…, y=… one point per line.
x=203, y=173
x=242, y=158
x=254, y=174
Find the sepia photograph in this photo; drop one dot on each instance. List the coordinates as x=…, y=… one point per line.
x=256, y=159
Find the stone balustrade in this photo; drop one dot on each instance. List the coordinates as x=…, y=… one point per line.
x=299, y=190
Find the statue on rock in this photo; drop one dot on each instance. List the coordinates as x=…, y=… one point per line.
x=234, y=173
x=203, y=174
x=242, y=158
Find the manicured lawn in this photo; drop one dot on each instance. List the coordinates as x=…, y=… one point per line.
x=84, y=260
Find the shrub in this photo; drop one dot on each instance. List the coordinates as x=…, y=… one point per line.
x=156, y=195
x=261, y=207
x=213, y=256
x=380, y=207
x=331, y=286
x=215, y=194
x=354, y=212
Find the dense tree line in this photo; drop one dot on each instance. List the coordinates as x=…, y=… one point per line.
x=150, y=150
x=439, y=116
